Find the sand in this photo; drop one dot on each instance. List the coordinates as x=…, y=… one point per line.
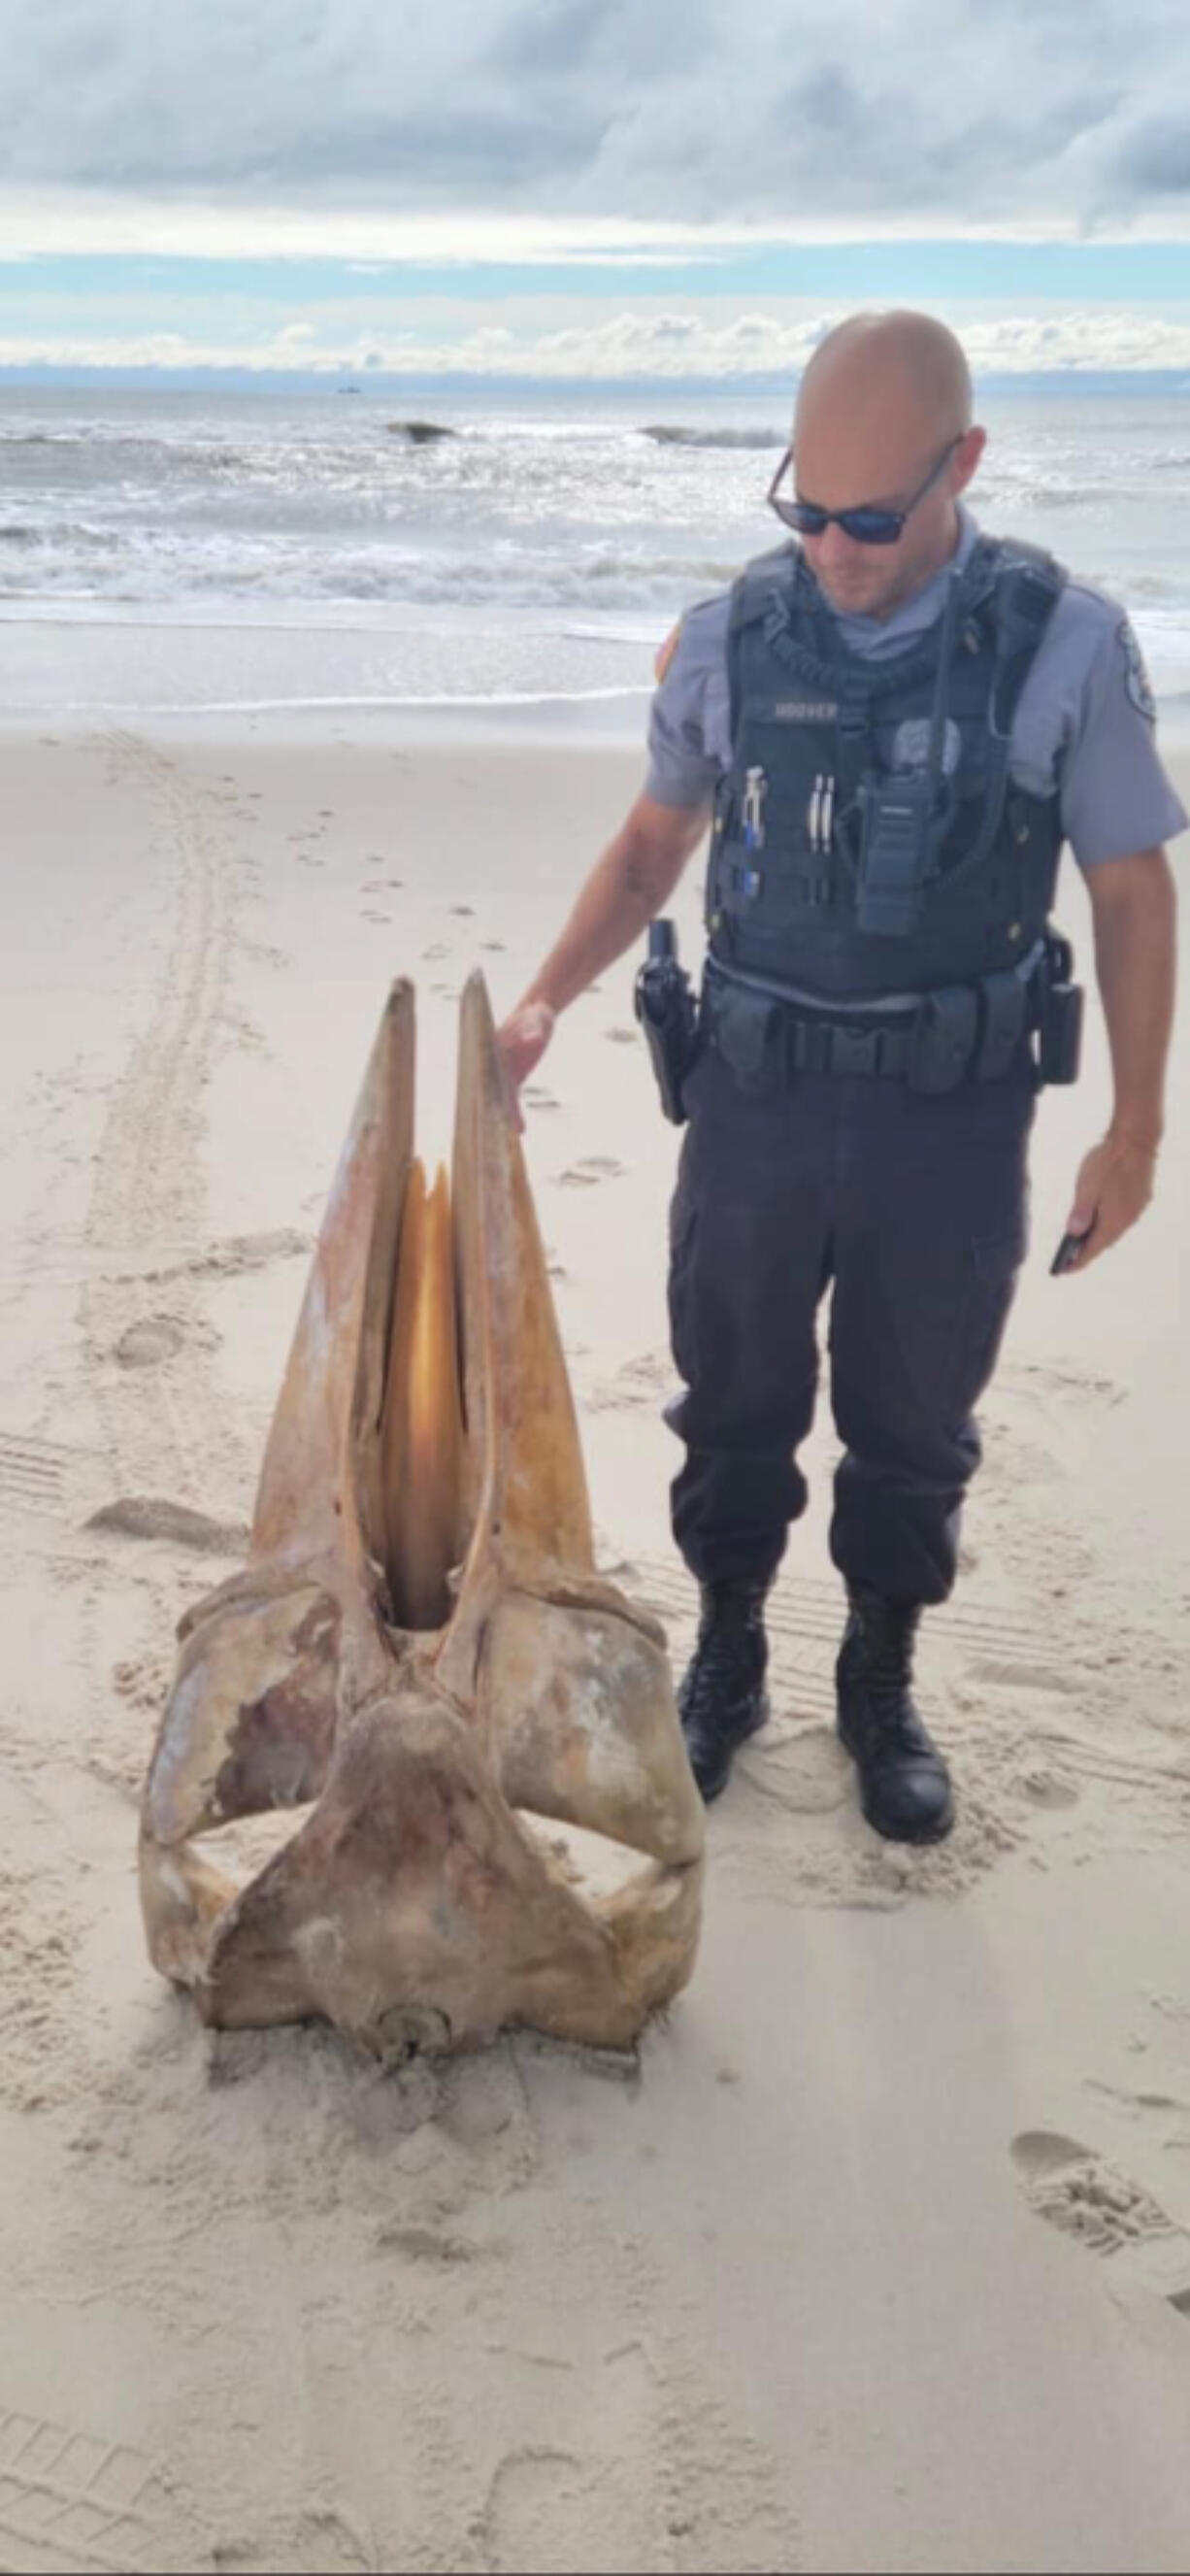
x=879, y=2258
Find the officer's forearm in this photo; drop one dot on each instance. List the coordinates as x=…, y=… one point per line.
x=1135, y=912
x=625, y=891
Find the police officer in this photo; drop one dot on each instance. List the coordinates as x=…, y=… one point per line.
x=893, y=724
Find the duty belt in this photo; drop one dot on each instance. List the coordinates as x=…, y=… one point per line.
x=932, y=1041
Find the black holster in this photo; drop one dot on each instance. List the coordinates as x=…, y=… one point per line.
x=668, y=1014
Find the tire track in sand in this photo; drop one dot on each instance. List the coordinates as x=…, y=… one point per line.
x=70, y=2502
x=149, y=1354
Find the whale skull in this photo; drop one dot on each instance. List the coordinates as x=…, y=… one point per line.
x=419, y=1651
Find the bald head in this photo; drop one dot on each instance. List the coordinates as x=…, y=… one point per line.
x=906, y=366
x=884, y=399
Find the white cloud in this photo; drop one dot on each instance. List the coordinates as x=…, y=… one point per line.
x=663, y=344
x=66, y=222
x=662, y=112
x=69, y=221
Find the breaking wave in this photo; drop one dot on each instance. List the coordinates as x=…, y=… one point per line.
x=306, y=510
x=669, y=436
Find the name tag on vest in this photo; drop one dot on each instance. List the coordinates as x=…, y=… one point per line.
x=804, y=711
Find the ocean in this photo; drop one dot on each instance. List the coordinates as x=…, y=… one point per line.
x=175, y=552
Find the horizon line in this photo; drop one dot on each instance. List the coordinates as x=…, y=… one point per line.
x=52, y=376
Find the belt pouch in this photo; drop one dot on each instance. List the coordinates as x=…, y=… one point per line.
x=744, y=1029
x=1003, y=998
x=944, y=1039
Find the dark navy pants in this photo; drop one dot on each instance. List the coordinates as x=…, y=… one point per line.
x=912, y=1210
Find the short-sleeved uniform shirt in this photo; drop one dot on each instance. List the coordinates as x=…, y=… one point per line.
x=1085, y=723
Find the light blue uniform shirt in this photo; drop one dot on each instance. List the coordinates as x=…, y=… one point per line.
x=1085, y=722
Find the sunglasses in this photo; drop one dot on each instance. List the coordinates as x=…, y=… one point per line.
x=867, y=524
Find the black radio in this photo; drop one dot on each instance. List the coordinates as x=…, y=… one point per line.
x=1060, y=1014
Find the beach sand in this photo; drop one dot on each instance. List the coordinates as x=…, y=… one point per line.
x=880, y=2257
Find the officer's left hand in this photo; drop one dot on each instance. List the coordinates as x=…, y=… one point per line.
x=1113, y=1189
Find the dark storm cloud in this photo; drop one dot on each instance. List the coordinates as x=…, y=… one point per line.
x=673, y=110
x=556, y=38
x=1156, y=157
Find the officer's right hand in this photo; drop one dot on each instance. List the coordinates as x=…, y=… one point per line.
x=522, y=1040
x=1113, y=1189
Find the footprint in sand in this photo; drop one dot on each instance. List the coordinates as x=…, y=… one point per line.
x=540, y=2502
x=1045, y=1787
x=239, y=1252
x=321, y=2538
x=592, y=1169
x=804, y=1771
x=1006, y=1672
x=146, y=1345
x=144, y=1516
x=142, y=1681
x=1078, y=2191
x=428, y=2245
x=638, y=1386
x=587, y=2508
x=1083, y=1386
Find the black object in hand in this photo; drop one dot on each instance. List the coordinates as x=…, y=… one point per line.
x=1068, y=1251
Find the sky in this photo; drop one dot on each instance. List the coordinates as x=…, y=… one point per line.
x=609, y=189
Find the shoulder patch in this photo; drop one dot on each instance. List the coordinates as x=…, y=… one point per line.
x=1136, y=678
x=701, y=630
x=666, y=652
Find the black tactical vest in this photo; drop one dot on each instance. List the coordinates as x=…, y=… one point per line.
x=819, y=734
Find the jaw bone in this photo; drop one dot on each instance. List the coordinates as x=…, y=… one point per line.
x=419, y=1648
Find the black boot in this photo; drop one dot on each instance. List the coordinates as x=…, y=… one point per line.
x=722, y=1700
x=904, y=1784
